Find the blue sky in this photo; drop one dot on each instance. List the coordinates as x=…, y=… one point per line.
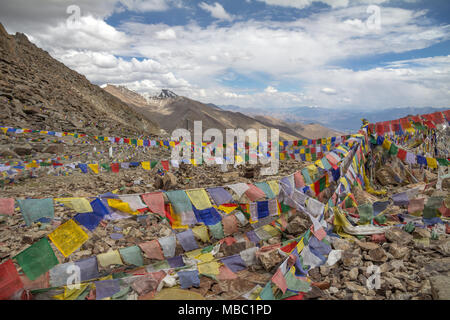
x=362, y=54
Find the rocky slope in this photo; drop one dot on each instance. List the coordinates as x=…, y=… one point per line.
x=38, y=92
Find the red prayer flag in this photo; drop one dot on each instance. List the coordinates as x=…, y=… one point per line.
x=10, y=281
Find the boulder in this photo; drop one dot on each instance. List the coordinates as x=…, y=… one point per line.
x=398, y=251
x=398, y=235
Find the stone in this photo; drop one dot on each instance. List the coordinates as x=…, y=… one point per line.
x=350, y=259
x=353, y=287
x=396, y=264
x=398, y=235
x=23, y=150
x=341, y=244
x=269, y=259
x=420, y=233
x=438, y=265
x=367, y=245
x=353, y=273
x=444, y=247
x=314, y=293
x=398, y=251
x=324, y=270
x=297, y=225
x=54, y=149
x=378, y=255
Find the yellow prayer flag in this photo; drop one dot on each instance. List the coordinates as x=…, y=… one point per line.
x=308, y=157
x=319, y=164
x=300, y=246
x=205, y=257
x=211, y=268
x=94, y=167
x=176, y=220
x=282, y=157
x=226, y=209
x=146, y=165
x=140, y=142
x=109, y=258
x=121, y=206
x=4, y=130
x=73, y=294
x=80, y=205
x=199, y=198
x=432, y=163
x=201, y=232
x=68, y=237
x=194, y=253
x=386, y=144
x=275, y=186
x=270, y=230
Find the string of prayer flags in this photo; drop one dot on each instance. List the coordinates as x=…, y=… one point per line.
x=80, y=205
x=10, y=281
x=68, y=237
x=132, y=256
x=152, y=249
x=199, y=198
x=220, y=195
x=37, y=259
x=187, y=240
x=35, y=209
x=7, y=206
x=112, y=257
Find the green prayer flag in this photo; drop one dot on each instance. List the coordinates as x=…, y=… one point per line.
x=267, y=292
x=381, y=219
x=34, y=209
x=37, y=259
x=153, y=163
x=295, y=284
x=365, y=213
x=106, y=166
x=431, y=207
x=266, y=188
x=132, y=255
x=216, y=230
x=393, y=150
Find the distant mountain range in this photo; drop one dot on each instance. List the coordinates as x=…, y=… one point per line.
x=171, y=112
x=340, y=120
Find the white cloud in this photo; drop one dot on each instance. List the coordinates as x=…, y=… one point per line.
x=270, y=89
x=216, y=10
x=146, y=5
x=301, y=4
x=328, y=91
x=199, y=62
